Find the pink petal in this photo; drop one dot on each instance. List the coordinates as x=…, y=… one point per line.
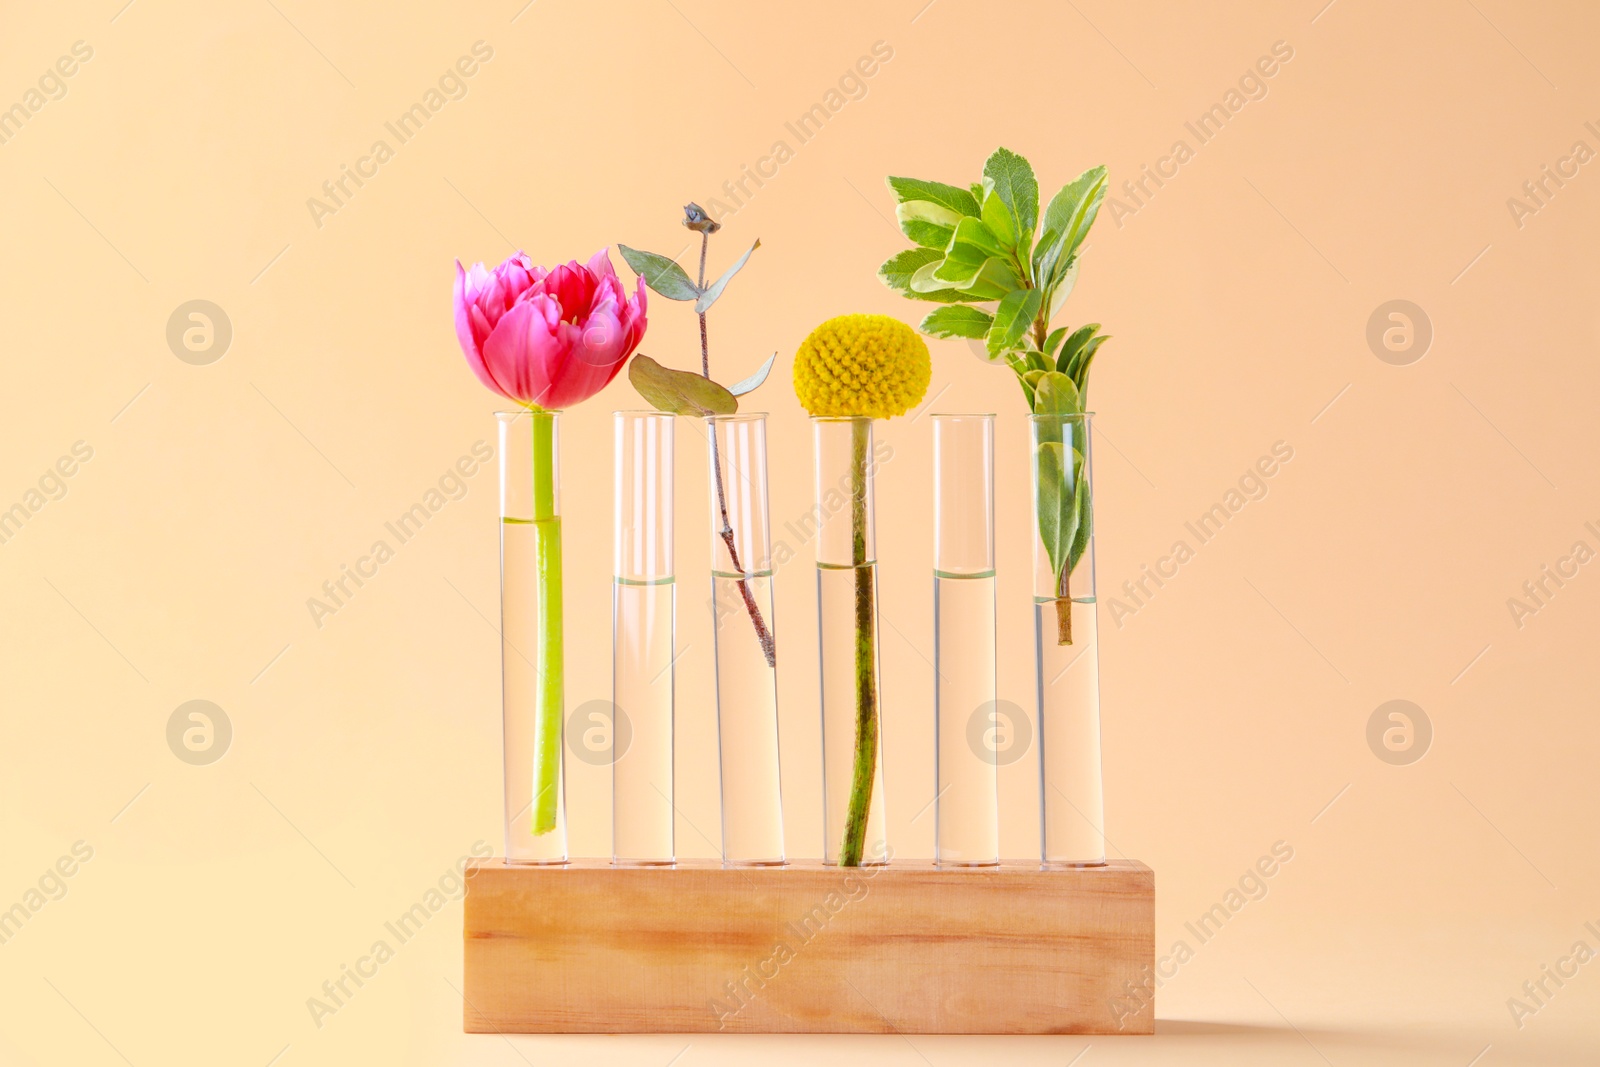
x=522, y=354
x=465, y=333
x=600, y=264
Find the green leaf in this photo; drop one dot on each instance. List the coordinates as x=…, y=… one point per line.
x=999, y=219
x=1067, y=219
x=926, y=234
x=1030, y=381
x=975, y=234
x=1062, y=288
x=960, y=267
x=709, y=297
x=952, y=197
x=1058, y=513
x=1079, y=371
x=679, y=392
x=947, y=296
x=958, y=320
x=1012, y=319
x=924, y=286
x=1073, y=343
x=754, y=381
x=997, y=278
x=661, y=274
x=927, y=223
x=1035, y=361
x=1083, y=504
x=897, y=270
x=1053, y=340
x=1056, y=394
x=1018, y=188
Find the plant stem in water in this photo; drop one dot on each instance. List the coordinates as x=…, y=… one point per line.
x=1064, y=606
x=548, y=698
x=866, y=756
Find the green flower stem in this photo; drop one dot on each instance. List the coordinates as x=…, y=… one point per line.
x=866, y=760
x=548, y=698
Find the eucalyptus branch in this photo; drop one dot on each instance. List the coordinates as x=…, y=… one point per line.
x=683, y=393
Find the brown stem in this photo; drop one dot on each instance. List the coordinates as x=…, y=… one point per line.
x=1064, y=607
x=768, y=646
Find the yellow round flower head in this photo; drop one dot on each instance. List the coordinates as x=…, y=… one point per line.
x=864, y=365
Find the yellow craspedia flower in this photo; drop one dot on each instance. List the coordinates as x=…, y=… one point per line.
x=871, y=365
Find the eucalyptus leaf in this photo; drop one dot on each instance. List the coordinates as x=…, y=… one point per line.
x=952, y=197
x=957, y=320
x=1056, y=394
x=661, y=274
x=1018, y=188
x=753, y=382
x=713, y=291
x=1012, y=319
x=897, y=270
x=679, y=392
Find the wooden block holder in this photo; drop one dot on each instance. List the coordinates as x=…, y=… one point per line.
x=808, y=948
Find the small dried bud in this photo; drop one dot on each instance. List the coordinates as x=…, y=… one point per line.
x=695, y=217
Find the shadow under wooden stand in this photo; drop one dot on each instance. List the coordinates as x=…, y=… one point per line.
x=808, y=948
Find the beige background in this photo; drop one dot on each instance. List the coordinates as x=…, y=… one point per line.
x=364, y=756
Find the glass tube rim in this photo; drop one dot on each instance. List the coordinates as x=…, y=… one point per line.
x=989, y=415
x=737, y=416
x=1076, y=416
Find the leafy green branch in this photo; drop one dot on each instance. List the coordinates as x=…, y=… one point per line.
x=987, y=244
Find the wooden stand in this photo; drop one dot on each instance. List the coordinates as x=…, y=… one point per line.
x=807, y=948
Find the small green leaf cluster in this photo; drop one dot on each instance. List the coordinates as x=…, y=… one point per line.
x=987, y=243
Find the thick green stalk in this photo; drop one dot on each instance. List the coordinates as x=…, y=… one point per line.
x=866, y=758
x=548, y=697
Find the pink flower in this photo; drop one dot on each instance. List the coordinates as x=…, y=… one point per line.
x=548, y=339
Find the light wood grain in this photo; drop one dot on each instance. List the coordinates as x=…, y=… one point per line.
x=589, y=948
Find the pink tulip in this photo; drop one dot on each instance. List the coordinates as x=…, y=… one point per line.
x=547, y=339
